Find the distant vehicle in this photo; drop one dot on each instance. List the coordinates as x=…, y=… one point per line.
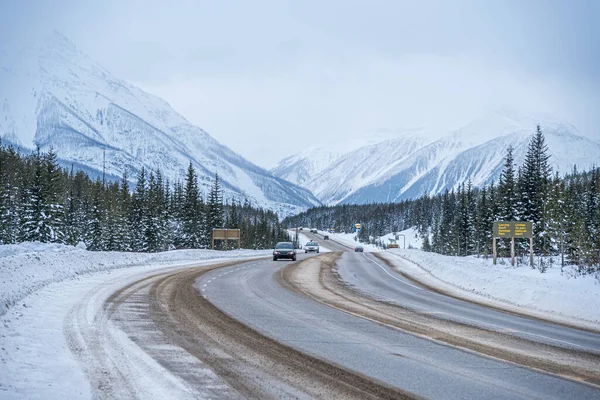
x=284, y=250
x=359, y=249
x=393, y=246
x=325, y=237
x=300, y=229
x=311, y=246
x=313, y=231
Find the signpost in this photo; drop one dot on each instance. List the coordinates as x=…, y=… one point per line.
x=225, y=234
x=512, y=230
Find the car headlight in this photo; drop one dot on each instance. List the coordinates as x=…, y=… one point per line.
x=275, y=252
x=291, y=252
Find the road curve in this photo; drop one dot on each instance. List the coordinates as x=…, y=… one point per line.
x=375, y=278
x=255, y=297
x=190, y=349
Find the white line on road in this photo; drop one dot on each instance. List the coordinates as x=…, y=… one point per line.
x=387, y=272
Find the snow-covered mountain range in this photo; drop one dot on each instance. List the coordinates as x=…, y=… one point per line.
x=53, y=95
x=410, y=165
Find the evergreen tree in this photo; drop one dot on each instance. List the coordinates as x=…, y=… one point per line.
x=192, y=212
x=139, y=207
x=32, y=224
x=123, y=210
x=52, y=200
x=507, y=188
x=215, y=206
x=536, y=176
x=96, y=240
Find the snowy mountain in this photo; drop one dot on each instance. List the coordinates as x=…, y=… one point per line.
x=409, y=166
x=53, y=95
x=305, y=165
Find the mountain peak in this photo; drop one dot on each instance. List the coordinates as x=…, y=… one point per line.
x=54, y=95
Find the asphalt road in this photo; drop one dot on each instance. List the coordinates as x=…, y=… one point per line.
x=372, y=276
x=254, y=296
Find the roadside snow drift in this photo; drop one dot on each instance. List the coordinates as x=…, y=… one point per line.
x=555, y=295
x=42, y=285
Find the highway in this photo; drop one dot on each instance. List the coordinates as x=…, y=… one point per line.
x=254, y=295
x=373, y=277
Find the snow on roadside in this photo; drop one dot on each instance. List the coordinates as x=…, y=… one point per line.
x=41, y=284
x=27, y=267
x=411, y=236
x=550, y=295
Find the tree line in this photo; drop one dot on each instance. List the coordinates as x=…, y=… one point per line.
x=40, y=201
x=564, y=210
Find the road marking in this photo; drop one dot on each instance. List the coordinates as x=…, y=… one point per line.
x=387, y=272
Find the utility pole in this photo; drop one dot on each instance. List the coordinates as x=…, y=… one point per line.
x=104, y=166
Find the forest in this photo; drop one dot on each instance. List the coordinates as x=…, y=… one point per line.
x=564, y=210
x=41, y=201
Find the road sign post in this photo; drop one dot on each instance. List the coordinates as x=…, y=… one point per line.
x=513, y=230
x=225, y=234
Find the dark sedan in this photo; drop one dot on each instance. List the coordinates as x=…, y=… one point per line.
x=359, y=249
x=284, y=250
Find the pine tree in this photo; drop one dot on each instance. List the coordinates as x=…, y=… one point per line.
x=96, y=239
x=139, y=207
x=32, y=225
x=123, y=210
x=192, y=212
x=215, y=206
x=507, y=188
x=536, y=177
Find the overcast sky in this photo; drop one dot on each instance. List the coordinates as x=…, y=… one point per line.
x=269, y=77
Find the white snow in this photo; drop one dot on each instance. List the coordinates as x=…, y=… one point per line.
x=40, y=284
x=562, y=297
x=411, y=236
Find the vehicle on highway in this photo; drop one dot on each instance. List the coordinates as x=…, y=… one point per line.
x=284, y=250
x=313, y=231
x=325, y=237
x=311, y=246
x=359, y=249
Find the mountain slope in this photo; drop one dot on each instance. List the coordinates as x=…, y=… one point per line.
x=409, y=166
x=481, y=165
x=53, y=95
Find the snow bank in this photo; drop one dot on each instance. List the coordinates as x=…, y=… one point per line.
x=551, y=295
x=28, y=267
x=411, y=236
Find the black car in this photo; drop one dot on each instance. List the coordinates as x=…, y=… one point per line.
x=325, y=237
x=284, y=250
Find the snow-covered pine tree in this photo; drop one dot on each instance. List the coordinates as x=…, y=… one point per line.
x=191, y=217
x=95, y=233
x=53, y=195
x=123, y=211
x=176, y=212
x=139, y=207
x=32, y=225
x=215, y=206
x=152, y=215
x=536, y=176
x=507, y=188
x=232, y=216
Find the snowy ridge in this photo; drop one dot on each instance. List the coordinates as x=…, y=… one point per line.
x=409, y=166
x=53, y=95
